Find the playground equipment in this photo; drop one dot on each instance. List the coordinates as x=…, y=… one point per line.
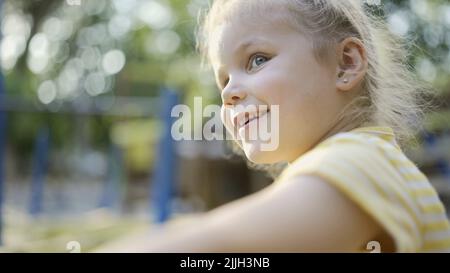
x=161, y=183
x=2, y=153
x=163, y=191
x=2, y=147
x=39, y=170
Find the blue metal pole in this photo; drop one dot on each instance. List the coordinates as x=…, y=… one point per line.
x=2, y=146
x=163, y=180
x=442, y=164
x=2, y=155
x=39, y=171
x=112, y=190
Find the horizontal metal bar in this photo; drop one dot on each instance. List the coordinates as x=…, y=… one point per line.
x=124, y=106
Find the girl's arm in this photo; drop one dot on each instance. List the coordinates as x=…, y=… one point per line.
x=304, y=214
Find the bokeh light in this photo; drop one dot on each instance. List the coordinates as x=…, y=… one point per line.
x=47, y=92
x=113, y=61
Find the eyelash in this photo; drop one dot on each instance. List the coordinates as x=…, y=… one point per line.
x=251, y=59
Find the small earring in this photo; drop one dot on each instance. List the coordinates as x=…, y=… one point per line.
x=345, y=80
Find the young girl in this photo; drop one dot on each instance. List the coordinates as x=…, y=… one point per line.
x=347, y=104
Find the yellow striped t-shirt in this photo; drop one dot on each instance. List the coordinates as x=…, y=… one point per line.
x=368, y=166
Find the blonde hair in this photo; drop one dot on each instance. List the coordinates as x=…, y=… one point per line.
x=390, y=95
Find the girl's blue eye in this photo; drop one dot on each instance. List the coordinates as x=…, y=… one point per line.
x=257, y=60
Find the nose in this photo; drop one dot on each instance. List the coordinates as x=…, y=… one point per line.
x=232, y=94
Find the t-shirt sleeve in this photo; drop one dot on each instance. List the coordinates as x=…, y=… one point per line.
x=363, y=173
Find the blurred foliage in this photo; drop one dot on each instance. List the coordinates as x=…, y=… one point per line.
x=53, y=52
x=138, y=157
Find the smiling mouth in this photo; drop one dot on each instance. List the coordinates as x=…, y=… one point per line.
x=248, y=119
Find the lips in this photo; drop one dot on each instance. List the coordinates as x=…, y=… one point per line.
x=244, y=118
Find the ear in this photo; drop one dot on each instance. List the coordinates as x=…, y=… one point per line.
x=352, y=64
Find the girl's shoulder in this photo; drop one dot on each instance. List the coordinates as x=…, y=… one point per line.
x=371, y=136
x=359, y=148
x=368, y=166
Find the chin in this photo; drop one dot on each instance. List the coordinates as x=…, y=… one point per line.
x=254, y=153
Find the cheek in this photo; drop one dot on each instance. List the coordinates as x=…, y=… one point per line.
x=225, y=116
x=270, y=87
x=294, y=95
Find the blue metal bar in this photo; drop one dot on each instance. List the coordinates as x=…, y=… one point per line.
x=111, y=195
x=103, y=106
x=39, y=171
x=163, y=180
x=441, y=162
x=2, y=146
x=2, y=156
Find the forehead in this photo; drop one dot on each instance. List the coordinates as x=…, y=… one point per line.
x=229, y=38
x=243, y=17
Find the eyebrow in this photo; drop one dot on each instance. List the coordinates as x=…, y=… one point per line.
x=246, y=44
